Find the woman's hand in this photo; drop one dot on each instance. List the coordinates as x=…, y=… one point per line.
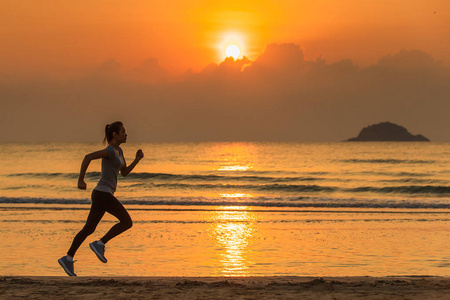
x=139, y=155
x=81, y=184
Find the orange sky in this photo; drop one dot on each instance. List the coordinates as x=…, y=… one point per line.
x=68, y=37
x=82, y=64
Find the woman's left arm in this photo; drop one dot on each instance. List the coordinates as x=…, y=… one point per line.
x=127, y=169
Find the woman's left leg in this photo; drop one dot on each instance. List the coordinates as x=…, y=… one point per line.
x=115, y=208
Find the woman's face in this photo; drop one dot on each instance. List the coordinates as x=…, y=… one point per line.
x=121, y=136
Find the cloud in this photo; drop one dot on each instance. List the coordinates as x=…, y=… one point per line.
x=279, y=96
x=228, y=70
x=150, y=71
x=281, y=58
x=409, y=60
x=108, y=69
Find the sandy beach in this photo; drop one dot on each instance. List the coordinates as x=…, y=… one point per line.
x=407, y=287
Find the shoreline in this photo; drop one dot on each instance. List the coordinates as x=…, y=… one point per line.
x=232, y=243
x=257, y=287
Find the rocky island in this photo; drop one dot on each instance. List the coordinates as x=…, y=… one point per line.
x=387, y=132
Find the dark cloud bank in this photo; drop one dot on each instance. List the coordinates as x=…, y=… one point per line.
x=278, y=97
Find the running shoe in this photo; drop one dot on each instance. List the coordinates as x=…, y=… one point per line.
x=67, y=265
x=99, y=250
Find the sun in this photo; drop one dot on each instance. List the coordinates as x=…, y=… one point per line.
x=231, y=44
x=233, y=51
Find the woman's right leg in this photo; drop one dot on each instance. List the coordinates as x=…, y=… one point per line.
x=95, y=215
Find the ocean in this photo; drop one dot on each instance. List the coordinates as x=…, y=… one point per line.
x=226, y=209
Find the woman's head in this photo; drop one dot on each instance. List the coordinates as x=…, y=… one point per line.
x=117, y=130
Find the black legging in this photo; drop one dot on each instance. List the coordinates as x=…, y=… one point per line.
x=102, y=202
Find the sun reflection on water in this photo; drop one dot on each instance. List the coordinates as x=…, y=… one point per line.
x=234, y=157
x=234, y=168
x=233, y=231
x=233, y=226
x=236, y=195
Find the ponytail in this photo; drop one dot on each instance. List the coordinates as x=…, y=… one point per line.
x=110, y=129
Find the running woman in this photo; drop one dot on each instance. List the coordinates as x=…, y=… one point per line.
x=103, y=199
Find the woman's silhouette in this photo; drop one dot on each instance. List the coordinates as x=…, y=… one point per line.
x=103, y=199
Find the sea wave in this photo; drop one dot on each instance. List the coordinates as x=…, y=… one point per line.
x=298, y=188
x=173, y=177
x=54, y=175
x=246, y=187
x=286, y=202
x=388, y=161
x=265, y=184
x=412, y=189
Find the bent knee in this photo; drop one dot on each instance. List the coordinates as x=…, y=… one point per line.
x=128, y=224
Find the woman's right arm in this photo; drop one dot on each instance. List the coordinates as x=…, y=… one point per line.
x=85, y=164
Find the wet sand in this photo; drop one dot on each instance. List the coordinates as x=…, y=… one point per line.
x=407, y=287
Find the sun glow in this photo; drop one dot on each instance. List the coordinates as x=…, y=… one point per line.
x=232, y=45
x=233, y=51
